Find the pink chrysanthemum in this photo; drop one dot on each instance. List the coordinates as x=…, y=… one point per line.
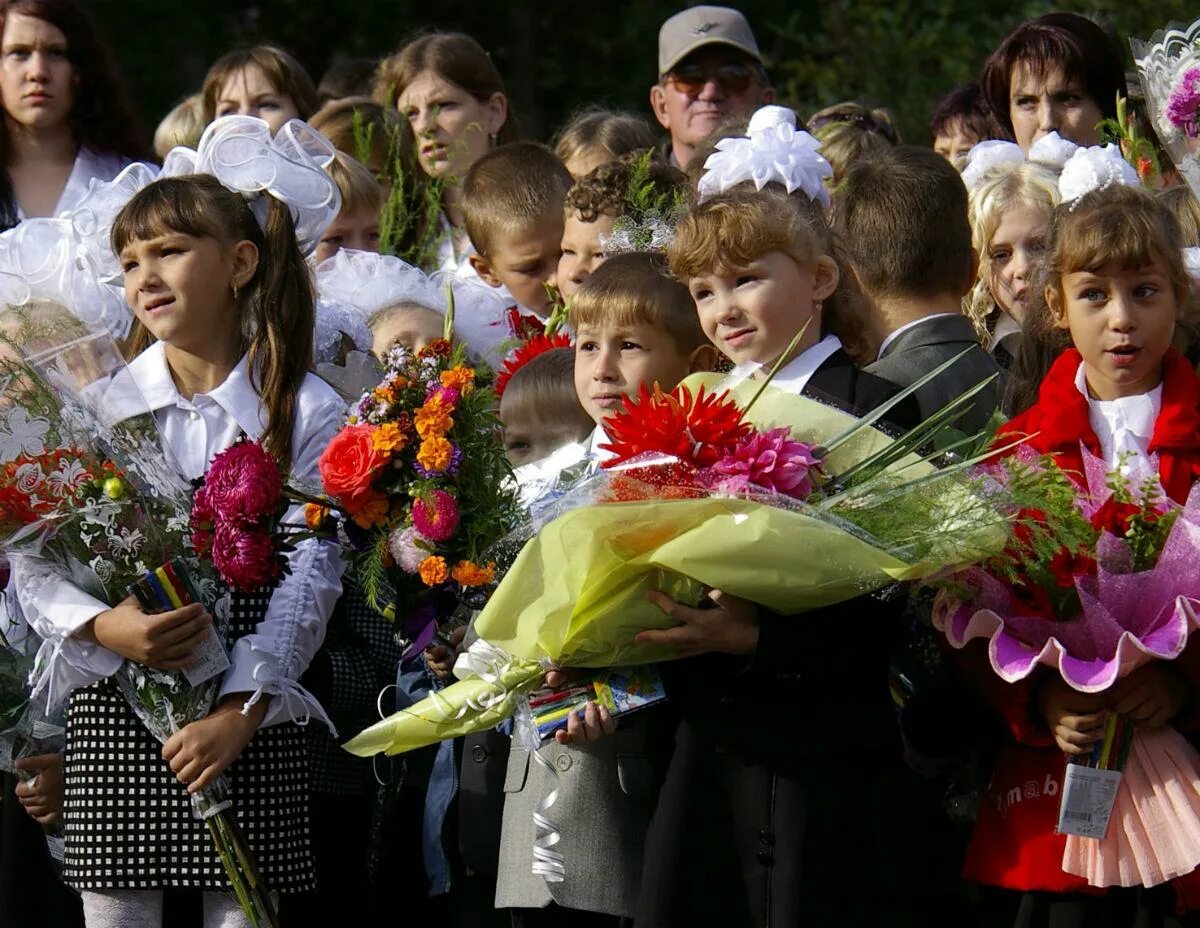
x=404, y=549
x=435, y=515
x=1183, y=106
x=243, y=483
x=770, y=461
x=245, y=559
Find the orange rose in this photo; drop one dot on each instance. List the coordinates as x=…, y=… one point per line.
x=433, y=570
x=350, y=464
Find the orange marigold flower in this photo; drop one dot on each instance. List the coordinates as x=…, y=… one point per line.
x=372, y=510
x=399, y=382
x=389, y=438
x=433, y=419
x=459, y=378
x=315, y=516
x=433, y=570
x=468, y=573
x=435, y=453
x=384, y=394
x=438, y=348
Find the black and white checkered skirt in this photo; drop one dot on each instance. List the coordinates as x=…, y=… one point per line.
x=128, y=821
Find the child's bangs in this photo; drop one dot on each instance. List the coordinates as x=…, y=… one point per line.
x=724, y=237
x=1126, y=241
x=171, y=206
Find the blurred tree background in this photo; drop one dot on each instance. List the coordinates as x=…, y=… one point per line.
x=556, y=55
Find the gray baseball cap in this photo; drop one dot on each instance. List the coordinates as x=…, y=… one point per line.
x=698, y=26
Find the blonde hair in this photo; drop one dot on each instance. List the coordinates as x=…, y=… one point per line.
x=614, y=132
x=736, y=228
x=285, y=73
x=1186, y=208
x=1009, y=187
x=358, y=186
x=1121, y=225
x=543, y=389
x=182, y=126
x=637, y=289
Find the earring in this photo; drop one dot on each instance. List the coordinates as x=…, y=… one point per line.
x=494, y=138
x=235, y=292
x=817, y=306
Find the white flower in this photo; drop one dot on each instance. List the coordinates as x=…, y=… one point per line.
x=773, y=152
x=1094, y=168
x=22, y=435
x=1052, y=151
x=68, y=476
x=986, y=157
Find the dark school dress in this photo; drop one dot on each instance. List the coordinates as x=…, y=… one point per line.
x=128, y=821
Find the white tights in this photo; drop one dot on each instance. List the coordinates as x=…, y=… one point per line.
x=141, y=908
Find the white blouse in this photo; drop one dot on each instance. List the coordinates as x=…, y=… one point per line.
x=89, y=164
x=270, y=660
x=1124, y=428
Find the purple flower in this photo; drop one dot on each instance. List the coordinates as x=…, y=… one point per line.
x=450, y=471
x=1183, y=106
x=770, y=461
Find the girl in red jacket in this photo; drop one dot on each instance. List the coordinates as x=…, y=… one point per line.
x=1116, y=303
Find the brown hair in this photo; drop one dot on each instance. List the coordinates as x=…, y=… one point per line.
x=452, y=56
x=1186, y=208
x=509, y=186
x=903, y=215
x=967, y=106
x=346, y=77
x=358, y=186
x=276, y=305
x=614, y=131
x=1074, y=43
x=1123, y=225
x=605, y=191
x=636, y=288
x=544, y=389
x=101, y=117
x=285, y=73
x=736, y=228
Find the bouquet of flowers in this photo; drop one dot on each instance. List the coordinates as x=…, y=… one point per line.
x=88, y=492
x=708, y=488
x=420, y=475
x=1094, y=584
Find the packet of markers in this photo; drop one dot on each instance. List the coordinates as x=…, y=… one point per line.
x=621, y=691
x=1098, y=582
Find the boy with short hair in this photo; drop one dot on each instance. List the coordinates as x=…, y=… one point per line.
x=903, y=216
x=357, y=223
x=513, y=208
x=603, y=196
x=634, y=326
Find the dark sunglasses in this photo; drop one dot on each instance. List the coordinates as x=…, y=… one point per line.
x=690, y=79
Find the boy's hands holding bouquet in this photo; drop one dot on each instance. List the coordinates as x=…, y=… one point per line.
x=165, y=641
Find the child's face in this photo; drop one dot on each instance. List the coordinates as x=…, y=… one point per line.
x=525, y=259
x=581, y=250
x=753, y=313
x=249, y=92
x=1122, y=322
x=181, y=286
x=1014, y=255
x=613, y=361
x=529, y=438
x=36, y=79
x=954, y=142
x=357, y=230
x=1041, y=103
x=453, y=129
x=412, y=327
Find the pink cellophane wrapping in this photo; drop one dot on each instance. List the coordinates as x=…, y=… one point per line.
x=1154, y=833
x=1127, y=620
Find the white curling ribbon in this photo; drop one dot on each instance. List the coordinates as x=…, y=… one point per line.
x=986, y=157
x=1052, y=151
x=773, y=151
x=548, y=863
x=272, y=683
x=1094, y=168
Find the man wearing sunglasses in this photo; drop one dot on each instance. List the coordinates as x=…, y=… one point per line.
x=710, y=71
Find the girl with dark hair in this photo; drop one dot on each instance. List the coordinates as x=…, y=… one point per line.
x=445, y=84
x=66, y=116
x=1058, y=73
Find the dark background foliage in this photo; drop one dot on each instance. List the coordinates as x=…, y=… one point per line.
x=557, y=54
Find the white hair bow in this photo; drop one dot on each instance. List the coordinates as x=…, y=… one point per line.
x=370, y=282
x=1051, y=151
x=1094, y=168
x=772, y=151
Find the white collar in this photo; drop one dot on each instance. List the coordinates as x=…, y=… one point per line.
x=1124, y=426
x=153, y=387
x=794, y=376
x=595, y=440
x=1005, y=326
x=904, y=328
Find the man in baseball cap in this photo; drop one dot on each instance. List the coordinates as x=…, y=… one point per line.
x=710, y=70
